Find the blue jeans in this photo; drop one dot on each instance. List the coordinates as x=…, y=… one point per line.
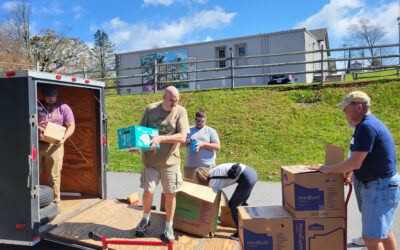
x=377, y=202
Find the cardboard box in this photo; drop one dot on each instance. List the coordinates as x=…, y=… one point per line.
x=319, y=233
x=53, y=132
x=225, y=217
x=265, y=227
x=311, y=194
x=197, y=209
x=135, y=138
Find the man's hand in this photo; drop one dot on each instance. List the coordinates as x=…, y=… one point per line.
x=199, y=145
x=155, y=141
x=318, y=167
x=41, y=133
x=59, y=143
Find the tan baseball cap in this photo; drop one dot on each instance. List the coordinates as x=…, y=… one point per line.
x=355, y=96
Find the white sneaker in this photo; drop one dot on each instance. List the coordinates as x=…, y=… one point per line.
x=358, y=241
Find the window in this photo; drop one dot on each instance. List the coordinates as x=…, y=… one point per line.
x=221, y=54
x=242, y=51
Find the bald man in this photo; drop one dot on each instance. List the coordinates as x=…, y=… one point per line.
x=171, y=121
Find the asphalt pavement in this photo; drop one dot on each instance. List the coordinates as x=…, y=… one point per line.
x=120, y=185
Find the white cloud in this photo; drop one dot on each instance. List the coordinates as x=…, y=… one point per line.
x=338, y=15
x=169, y=2
x=208, y=38
x=9, y=5
x=139, y=36
x=79, y=12
x=53, y=8
x=157, y=2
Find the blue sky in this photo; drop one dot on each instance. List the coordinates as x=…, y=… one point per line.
x=143, y=24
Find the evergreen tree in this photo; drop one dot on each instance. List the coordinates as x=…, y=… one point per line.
x=102, y=54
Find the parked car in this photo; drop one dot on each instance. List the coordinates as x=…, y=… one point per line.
x=280, y=79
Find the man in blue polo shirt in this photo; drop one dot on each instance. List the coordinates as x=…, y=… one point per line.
x=374, y=164
x=205, y=140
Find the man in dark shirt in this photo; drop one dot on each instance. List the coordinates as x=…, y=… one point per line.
x=374, y=164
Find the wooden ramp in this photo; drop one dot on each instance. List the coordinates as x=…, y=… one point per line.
x=115, y=220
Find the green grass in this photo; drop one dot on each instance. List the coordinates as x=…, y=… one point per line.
x=263, y=127
x=372, y=75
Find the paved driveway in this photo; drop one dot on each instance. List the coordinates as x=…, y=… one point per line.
x=264, y=193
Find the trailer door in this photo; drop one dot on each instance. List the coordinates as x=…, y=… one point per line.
x=19, y=222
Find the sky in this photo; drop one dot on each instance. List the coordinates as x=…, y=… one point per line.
x=134, y=25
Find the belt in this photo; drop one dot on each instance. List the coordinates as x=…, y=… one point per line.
x=367, y=180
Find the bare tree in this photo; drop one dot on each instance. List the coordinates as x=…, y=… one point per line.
x=19, y=20
x=57, y=52
x=368, y=35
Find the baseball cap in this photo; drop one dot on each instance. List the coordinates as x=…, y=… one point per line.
x=49, y=91
x=355, y=96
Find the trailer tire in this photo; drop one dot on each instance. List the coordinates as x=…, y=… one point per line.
x=46, y=195
x=48, y=213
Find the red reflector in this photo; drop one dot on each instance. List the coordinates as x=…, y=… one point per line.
x=34, y=153
x=11, y=73
x=73, y=79
x=35, y=238
x=86, y=81
x=58, y=77
x=104, y=140
x=20, y=226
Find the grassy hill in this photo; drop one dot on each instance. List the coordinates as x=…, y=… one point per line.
x=264, y=127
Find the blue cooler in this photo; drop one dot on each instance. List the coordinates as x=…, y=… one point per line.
x=135, y=138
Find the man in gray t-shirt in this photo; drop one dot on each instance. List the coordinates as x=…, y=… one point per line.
x=207, y=142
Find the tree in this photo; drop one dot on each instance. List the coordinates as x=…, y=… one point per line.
x=102, y=54
x=365, y=34
x=19, y=20
x=57, y=52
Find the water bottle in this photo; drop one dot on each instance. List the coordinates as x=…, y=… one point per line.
x=193, y=145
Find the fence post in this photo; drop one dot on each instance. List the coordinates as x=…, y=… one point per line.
x=322, y=64
x=232, y=72
x=155, y=72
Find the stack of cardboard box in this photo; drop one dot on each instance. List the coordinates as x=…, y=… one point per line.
x=311, y=216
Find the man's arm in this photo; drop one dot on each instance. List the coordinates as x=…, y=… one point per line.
x=68, y=132
x=209, y=145
x=175, y=138
x=352, y=163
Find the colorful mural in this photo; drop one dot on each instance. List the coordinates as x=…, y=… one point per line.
x=165, y=57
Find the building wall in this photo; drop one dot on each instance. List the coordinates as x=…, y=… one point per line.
x=272, y=43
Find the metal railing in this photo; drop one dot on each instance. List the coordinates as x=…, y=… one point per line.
x=231, y=71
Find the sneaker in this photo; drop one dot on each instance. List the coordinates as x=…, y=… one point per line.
x=168, y=235
x=234, y=236
x=358, y=241
x=142, y=227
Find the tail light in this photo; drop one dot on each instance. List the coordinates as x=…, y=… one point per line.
x=34, y=153
x=10, y=73
x=73, y=79
x=87, y=81
x=104, y=140
x=58, y=77
x=20, y=226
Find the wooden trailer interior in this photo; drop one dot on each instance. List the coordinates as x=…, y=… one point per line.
x=117, y=221
x=81, y=172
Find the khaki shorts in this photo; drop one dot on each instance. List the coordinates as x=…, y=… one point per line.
x=188, y=172
x=171, y=178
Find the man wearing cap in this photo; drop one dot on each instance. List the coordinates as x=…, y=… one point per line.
x=51, y=155
x=374, y=164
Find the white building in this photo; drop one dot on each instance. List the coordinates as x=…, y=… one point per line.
x=298, y=40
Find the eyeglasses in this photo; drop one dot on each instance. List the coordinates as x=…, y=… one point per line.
x=197, y=121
